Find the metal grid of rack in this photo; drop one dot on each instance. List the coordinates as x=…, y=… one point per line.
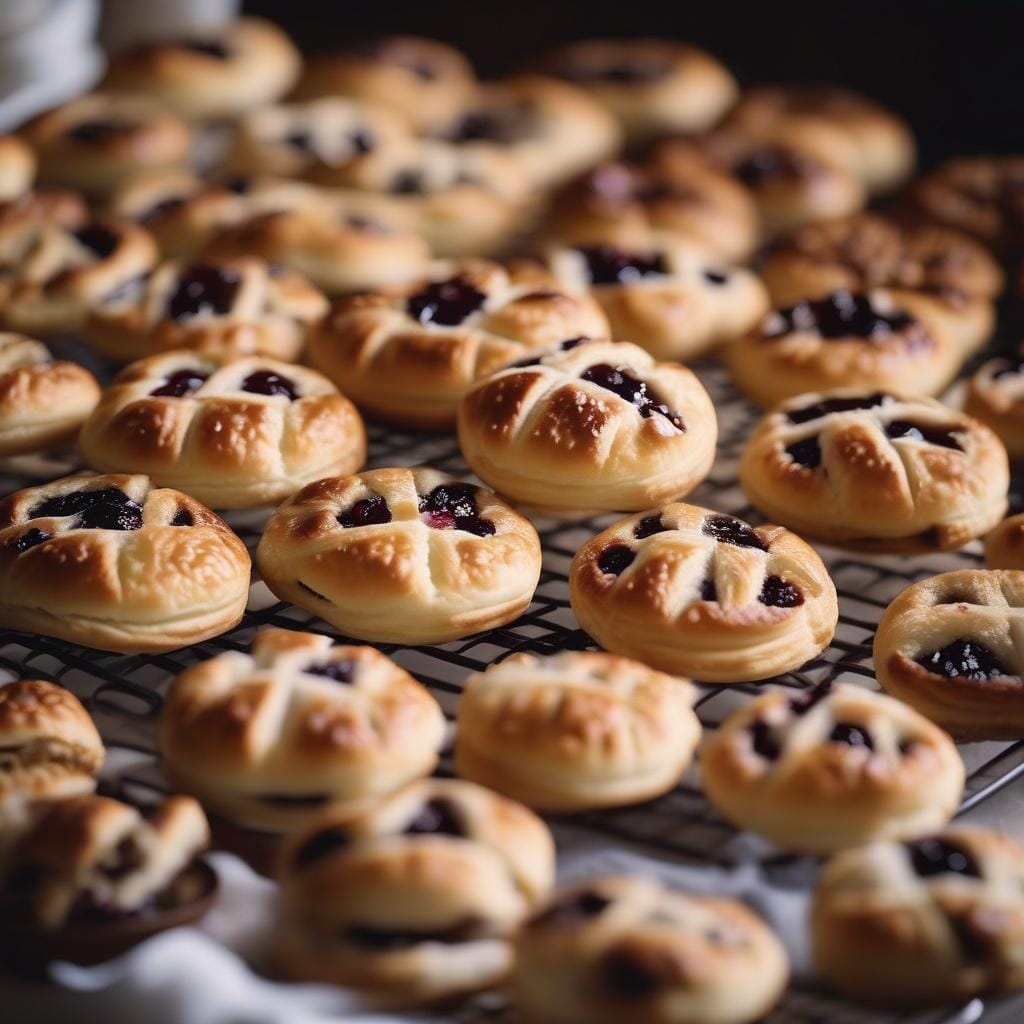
x=124, y=693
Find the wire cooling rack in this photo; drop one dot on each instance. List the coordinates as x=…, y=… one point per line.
x=124, y=693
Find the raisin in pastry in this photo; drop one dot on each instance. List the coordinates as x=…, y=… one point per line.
x=703, y=594
x=876, y=470
x=935, y=921
x=407, y=556
x=625, y=948
x=231, y=432
x=576, y=730
x=949, y=646
x=589, y=425
x=296, y=724
x=114, y=563
x=418, y=897
x=407, y=355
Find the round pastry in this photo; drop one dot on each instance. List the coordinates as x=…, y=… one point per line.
x=111, y=562
x=91, y=857
x=947, y=645
x=983, y=196
x=995, y=395
x=216, y=71
x=232, y=433
x=408, y=355
x=17, y=167
x=654, y=87
x=671, y=299
x=96, y=142
x=463, y=200
x=553, y=129
x=338, y=251
x=792, y=184
x=632, y=207
x=223, y=307
x=618, y=949
x=938, y=920
x=422, y=80
x=43, y=401
x=59, y=205
x=575, y=731
x=703, y=594
x=875, y=339
x=833, y=767
x=593, y=425
x=871, y=251
x=1004, y=546
x=876, y=470
x=408, y=556
x=299, y=723
x=293, y=140
x=872, y=142
x=53, y=275
x=418, y=897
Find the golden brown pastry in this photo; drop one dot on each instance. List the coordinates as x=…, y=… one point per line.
x=949, y=646
x=231, y=432
x=876, y=470
x=589, y=425
x=407, y=556
x=995, y=395
x=17, y=167
x=702, y=594
x=1004, y=546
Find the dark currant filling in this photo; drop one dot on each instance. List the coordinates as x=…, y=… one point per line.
x=99, y=131
x=777, y=592
x=340, y=671
x=104, y=509
x=615, y=560
x=266, y=382
x=649, y=526
x=635, y=391
x=626, y=975
x=935, y=856
x=506, y=127
x=1009, y=370
x=436, y=817
x=180, y=383
x=574, y=909
x=168, y=205
x=964, y=659
x=128, y=858
x=563, y=346
x=728, y=530
x=764, y=738
x=323, y=844
x=294, y=800
x=852, y=736
x=98, y=239
x=183, y=518
x=802, y=704
x=239, y=185
x=408, y=183
x=299, y=139
x=628, y=72
x=373, y=511
x=708, y=590
x=769, y=162
x=943, y=437
x=608, y=265
x=29, y=539
x=388, y=940
x=806, y=452
x=361, y=141
x=206, y=47
x=716, y=277
x=453, y=507
x=447, y=303
x=830, y=405
x=840, y=315
x=203, y=289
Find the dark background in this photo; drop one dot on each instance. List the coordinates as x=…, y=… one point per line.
x=955, y=70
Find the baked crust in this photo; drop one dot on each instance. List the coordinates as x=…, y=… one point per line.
x=17, y=167
x=884, y=933
x=124, y=578
x=615, y=949
x=417, y=897
x=261, y=737
x=225, y=307
x=544, y=435
x=995, y=395
x=43, y=402
x=401, y=359
x=1004, y=546
x=834, y=767
x=948, y=646
x=242, y=432
x=420, y=575
x=574, y=731
x=882, y=471
x=691, y=591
